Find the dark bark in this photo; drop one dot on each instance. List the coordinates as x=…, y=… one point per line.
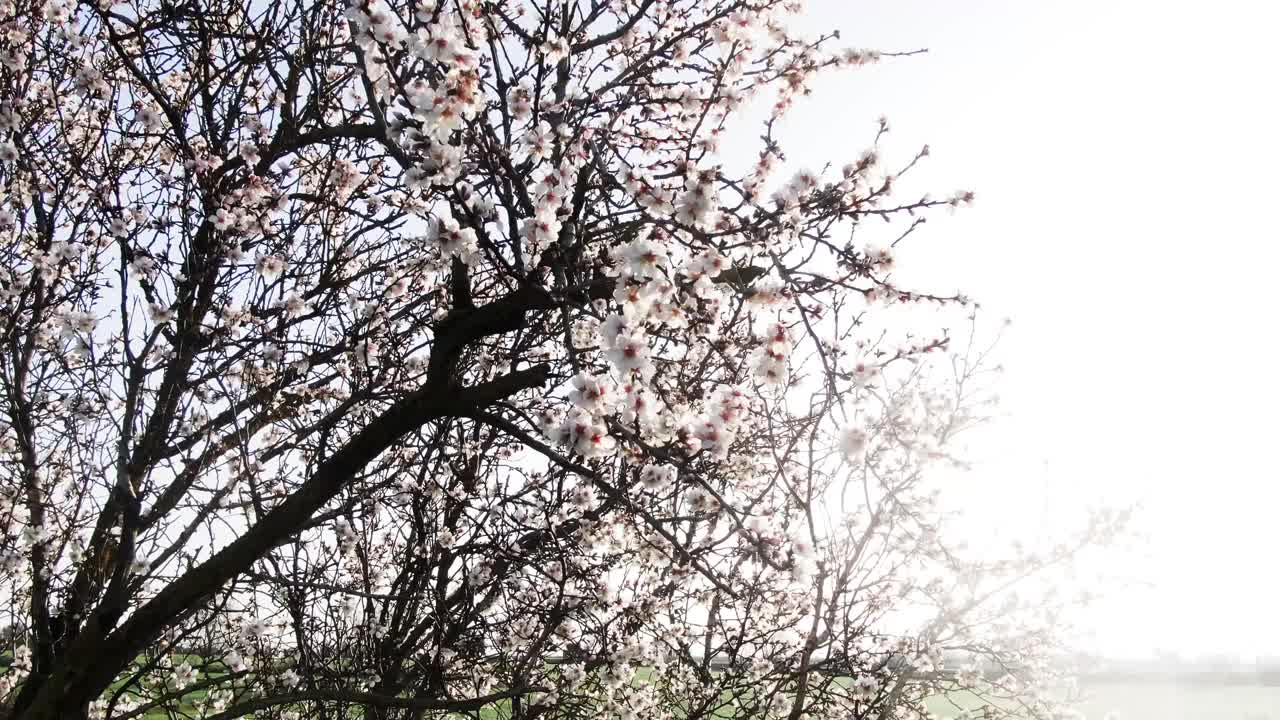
x=98, y=654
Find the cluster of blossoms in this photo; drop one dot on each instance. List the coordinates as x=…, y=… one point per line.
x=19, y=668
x=657, y=477
x=770, y=361
x=646, y=192
x=726, y=413
x=375, y=22
x=437, y=108
x=853, y=443
x=346, y=535
x=583, y=427
x=626, y=346
x=642, y=259
x=550, y=195
x=797, y=190
x=697, y=206
x=453, y=240
x=538, y=143
x=865, y=688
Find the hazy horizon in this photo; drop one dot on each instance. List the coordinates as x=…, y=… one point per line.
x=1122, y=157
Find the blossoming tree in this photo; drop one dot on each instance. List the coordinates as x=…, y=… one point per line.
x=399, y=359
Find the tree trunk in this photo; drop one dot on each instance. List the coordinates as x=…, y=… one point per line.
x=47, y=705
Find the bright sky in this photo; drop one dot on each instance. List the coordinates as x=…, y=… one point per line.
x=1125, y=156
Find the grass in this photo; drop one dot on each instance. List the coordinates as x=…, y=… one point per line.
x=1172, y=700
x=1161, y=699
x=1154, y=700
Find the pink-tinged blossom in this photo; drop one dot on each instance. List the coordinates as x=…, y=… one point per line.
x=701, y=501
x=223, y=219
x=584, y=498
x=520, y=102
x=235, y=662
x=249, y=153
x=613, y=327
x=771, y=358
x=657, y=477
x=634, y=299
x=863, y=372
x=697, y=205
x=295, y=306
x=586, y=436
x=880, y=258
x=455, y=240
x=708, y=263
x=270, y=267
x=537, y=142
x=22, y=657
x=591, y=393
x=556, y=49
x=865, y=688
x=642, y=258
x=159, y=314
x=398, y=288
x=641, y=407
x=366, y=353
x=376, y=22
x=79, y=322
x=543, y=229
x=853, y=444
x=149, y=118
x=630, y=353
x=184, y=675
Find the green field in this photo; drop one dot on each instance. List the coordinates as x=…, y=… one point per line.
x=1181, y=701
x=1154, y=699
x=1165, y=700
x=1159, y=700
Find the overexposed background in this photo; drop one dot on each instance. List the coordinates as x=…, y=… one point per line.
x=1125, y=156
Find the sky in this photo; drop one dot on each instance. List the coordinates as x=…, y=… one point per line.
x=1125, y=157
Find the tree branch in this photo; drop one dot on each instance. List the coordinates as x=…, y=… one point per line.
x=363, y=698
